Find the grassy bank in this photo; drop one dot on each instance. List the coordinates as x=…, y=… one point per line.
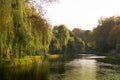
x=20, y=61
x=113, y=59
x=25, y=60
x=54, y=56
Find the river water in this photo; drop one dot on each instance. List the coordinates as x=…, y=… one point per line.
x=83, y=67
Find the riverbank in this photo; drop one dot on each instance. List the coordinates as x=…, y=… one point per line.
x=27, y=60
x=20, y=61
x=112, y=59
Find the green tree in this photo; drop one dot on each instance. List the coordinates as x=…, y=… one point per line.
x=6, y=28
x=85, y=35
x=41, y=32
x=60, y=39
x=64, y=41
x=22, y=30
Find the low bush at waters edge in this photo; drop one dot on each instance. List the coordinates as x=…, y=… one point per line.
x=25, y=60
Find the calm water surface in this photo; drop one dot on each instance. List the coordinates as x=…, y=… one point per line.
x=84, y=67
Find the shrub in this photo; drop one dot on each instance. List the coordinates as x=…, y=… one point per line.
x=118, y=48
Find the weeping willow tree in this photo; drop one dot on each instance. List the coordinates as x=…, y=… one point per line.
x=41, y=32
x=22, y=33
x=14, y=28
x=6, y=28
x=22, y=29
x=75, y=44
x=60, y=39
x=64, y=41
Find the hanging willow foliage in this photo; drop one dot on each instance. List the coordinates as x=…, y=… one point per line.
x=41, y=32
x=6, y=28
x=60, y=39
x=21, y=28
x=65, y=42
x=21, y=34
x=24, y=32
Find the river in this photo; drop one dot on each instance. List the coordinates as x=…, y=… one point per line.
x=83, y=67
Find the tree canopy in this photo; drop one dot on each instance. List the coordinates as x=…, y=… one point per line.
x=23, y=31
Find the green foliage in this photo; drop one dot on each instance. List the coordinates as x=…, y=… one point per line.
x=25, y=61
x=22, y=31
x=78, y=32
x=64, y=41
x=60, y=39
x=118, y=48
x=113, y=59
x=41, y=33
x=85, y=35
x=6, y=28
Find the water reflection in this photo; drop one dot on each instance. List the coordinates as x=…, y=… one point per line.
x=38, y=71
x=41, y=70
x=81, y=69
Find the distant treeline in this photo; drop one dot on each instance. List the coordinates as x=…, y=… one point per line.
x=104, y=38
x=23, y=32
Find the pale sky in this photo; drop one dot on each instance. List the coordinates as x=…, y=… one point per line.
x=82, y=14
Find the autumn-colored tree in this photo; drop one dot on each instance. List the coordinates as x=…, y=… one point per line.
x=84, y=35
x=101, y=34
x=114, y=37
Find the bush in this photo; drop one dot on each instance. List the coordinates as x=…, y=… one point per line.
x=118, y=48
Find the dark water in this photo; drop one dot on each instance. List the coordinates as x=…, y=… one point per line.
x=84, y=67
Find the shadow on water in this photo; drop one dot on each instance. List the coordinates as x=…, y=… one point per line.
x=83, y=67
x=38, y=71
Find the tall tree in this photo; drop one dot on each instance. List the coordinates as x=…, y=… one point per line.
x=21, y=27
x=104, y=32
x=114, y=37
x=64, y=41
x=61, y=37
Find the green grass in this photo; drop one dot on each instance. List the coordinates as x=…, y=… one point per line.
x=53, y=56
